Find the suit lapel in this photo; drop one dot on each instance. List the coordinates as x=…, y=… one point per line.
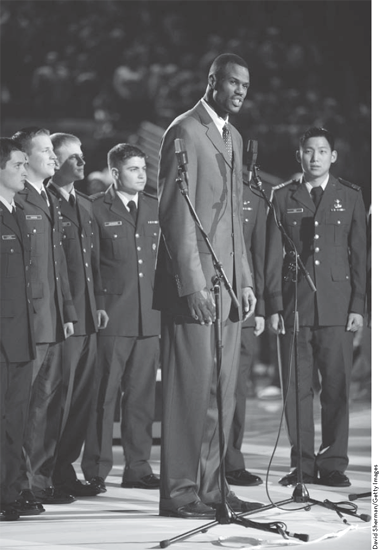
x=10, y=222
x=33, y=197
x=301, y=194
x=117, y=207
x=213, y=133
x=65, y=207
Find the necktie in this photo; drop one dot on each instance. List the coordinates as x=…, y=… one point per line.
x=14, y=213
x=72, y=200
x=228, y=140
x=44, y=196
x=316, y=193
x=133, y=210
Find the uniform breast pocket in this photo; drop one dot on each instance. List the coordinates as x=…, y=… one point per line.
x=113, y=246
x=11, y=259
x=68, y=230
x=338, y=224
x=36, y=230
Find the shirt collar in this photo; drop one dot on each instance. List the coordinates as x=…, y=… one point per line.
x=8, y=205
x=219, y=121
x=125, y=197
x=63, y=191
x=38, y=187
x=323, y=184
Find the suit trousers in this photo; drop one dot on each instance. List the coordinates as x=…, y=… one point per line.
x=190, y=457
x=16, y=380
x=45, y=415
x=330, y=350
x=79, y=356
x=129, y=365
x=234, y=459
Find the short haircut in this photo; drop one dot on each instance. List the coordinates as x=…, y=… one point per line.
x=219, y=64
x=25, y=136
x=59, y=139
x=7, y=146
x=317, y=132
x=122, y=152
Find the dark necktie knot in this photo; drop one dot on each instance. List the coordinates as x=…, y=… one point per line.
x=133, y=209
x=316, y=194
x=228, y=140
x=72, y=200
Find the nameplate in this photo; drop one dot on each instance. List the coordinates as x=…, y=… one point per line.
x=247, y=208
x=66, y=224
x=294, y=210
x=8, y=237
x=152, y=222
x=33, y=217
x=111, y=224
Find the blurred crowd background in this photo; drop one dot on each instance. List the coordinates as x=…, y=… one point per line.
x=98, y=68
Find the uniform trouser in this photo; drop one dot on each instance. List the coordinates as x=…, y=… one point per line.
x=190, y=455
x=330, y=350
x=129, y=365
x=234, y=459
x=79, y=355
x=16, y=380
x=45, y=415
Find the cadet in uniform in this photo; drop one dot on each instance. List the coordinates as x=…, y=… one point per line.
x=254, y=232
x=128, y=348
x=17, y=346
x=79, y=351
x=325, y=218
x=54, y=312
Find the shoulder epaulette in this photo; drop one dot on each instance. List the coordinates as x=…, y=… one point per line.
x=349, y=184
x=100, y=194
x=284, y=184
x=150, y=195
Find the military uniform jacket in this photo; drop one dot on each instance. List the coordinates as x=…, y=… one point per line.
x=17, y=334
x=184, y=263
x=52, y=301
x=82, y=263
x=331, y=243
x=127, y=260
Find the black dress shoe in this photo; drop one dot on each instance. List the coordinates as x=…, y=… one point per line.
x=7, y=513
x=78, y=489
x=26, y=504
x=242, y=477
x=150, y=481
x=237, y=505
x=334, y=479
x=52, y=495
x=99, y=483
x=193, y=510
x=291, y=479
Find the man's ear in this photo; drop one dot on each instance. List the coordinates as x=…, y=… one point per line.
x=114, y=172
x=212, y=81
x=298, y=156
x=334, y=156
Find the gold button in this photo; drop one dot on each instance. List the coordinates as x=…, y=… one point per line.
x=317, y=236
x=317, y=249
x=316, y=222
x=317, y=262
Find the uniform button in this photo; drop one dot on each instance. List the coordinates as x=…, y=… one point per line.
x=317, y=236
x=26, y=268
x=316, y=222
x=84, y=250
x=12, y=250
x=28, y=301
x=317, y=262
x=115, y=236
x=53, y=228
x=138, y=248
x=34, y=230
x=86, y=264
x=154, y=246
x=55, y=246
x=140, y=261
x=57, y=278
x=140, y=274
x=155, y=234
x=246, y=219
x=88, y=279
x=82, y=236
x=317, y=249
x=347, y=276
x=137, y=235
x=295, y=223
x=338, y=222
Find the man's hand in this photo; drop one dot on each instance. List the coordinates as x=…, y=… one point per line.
x=354, y=322
x=102, y=318
x=202, y=306
x=68, y=329
x=259, y=325
x=276, y=324
x=248, y=302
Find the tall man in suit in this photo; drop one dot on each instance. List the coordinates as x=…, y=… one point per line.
x=79, y=351
x=325, y=219
x=190, y=460
x=17, y=344
x=128, y=348
x=254, y=232
x=54, y=312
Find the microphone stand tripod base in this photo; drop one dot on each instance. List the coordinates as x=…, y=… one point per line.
x=300, y=493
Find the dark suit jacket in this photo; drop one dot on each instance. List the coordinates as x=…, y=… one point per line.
x=184, y=262
x=17, y=334
x=254, y=232
x=52, y=301
x=82, y=264
x=332, y=245
x=127, y=260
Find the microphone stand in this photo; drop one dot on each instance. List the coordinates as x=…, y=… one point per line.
x=224, y=514
x=300, y=493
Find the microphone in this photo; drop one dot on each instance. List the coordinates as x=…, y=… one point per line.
x=252, y=153
x=181, y=155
